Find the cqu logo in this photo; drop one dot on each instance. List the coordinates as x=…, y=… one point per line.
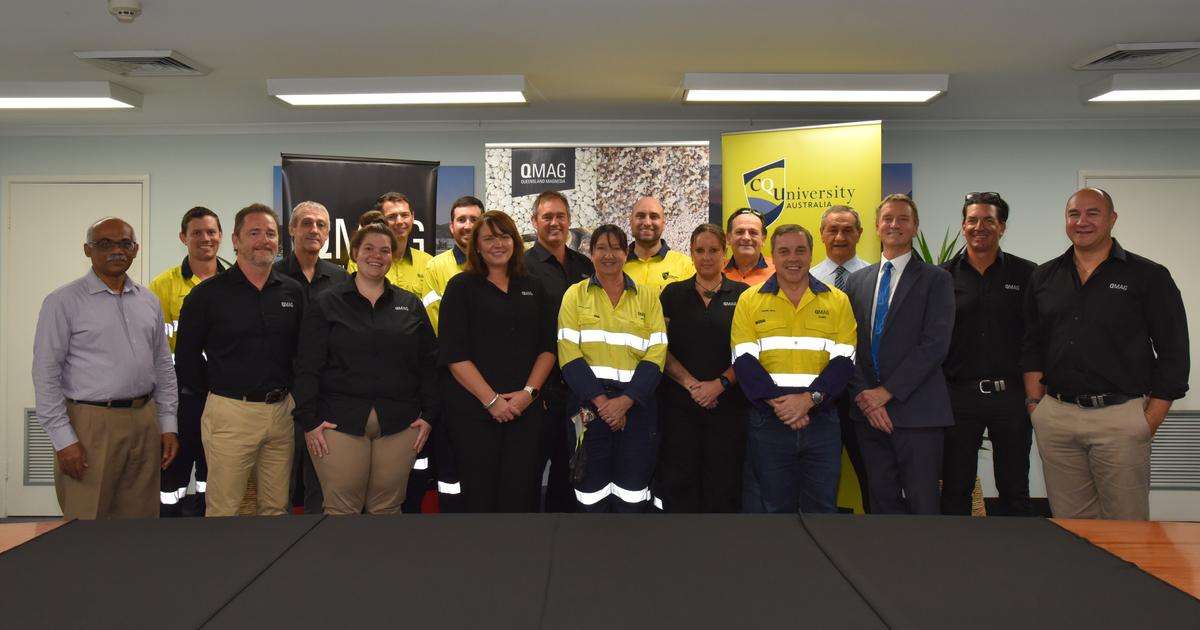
x=761, y=184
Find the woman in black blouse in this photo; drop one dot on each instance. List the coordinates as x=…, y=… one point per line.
x=497, y=331
x=703, y=414
x=366, y=387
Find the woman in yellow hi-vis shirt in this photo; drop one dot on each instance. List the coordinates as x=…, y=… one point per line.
x=612, y=343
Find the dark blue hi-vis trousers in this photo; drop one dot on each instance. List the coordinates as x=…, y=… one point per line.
x=619, y=463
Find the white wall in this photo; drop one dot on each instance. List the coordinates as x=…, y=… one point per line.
x=1034, y=169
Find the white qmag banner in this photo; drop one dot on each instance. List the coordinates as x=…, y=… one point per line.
x=601, y=181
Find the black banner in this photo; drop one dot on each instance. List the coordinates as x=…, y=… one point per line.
x=349, y=186
x=535, y=170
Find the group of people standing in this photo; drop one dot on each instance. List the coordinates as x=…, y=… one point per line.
x=295, y=373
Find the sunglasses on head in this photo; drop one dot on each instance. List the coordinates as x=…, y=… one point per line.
x=983, y=197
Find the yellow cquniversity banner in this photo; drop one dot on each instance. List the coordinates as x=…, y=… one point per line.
x=793, y=175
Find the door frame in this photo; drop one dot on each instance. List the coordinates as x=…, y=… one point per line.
x=6, y=183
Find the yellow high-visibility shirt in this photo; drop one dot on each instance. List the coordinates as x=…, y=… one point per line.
x=438, y=272
x=663, y=268
x=171, y=286
x=793, y=343
x=407, y=272
x=611, y=340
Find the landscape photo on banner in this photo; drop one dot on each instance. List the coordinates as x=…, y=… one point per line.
x=601, y=182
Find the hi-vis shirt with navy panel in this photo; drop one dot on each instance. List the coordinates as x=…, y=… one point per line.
x=406, y=272
x=663, y=268
x=623, y=346
x=438, y=272
x=782, y=349
x=171, y=286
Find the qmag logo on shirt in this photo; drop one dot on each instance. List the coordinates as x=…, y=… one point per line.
x=535, y=170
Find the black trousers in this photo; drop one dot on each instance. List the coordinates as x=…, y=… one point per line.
x=903, y=468
x=853, y=450
x=557, y=446
x=306, y=487
x=177, y=476
x=499, y=464
x=1008, y=427
x=700, y=457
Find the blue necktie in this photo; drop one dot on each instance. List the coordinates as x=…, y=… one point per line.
x=881, y=310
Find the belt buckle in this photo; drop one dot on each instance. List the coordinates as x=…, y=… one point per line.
x=1098, y=401
x=997, y=386
x=274, y=396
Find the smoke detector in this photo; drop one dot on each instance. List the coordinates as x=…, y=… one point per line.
x=126, y=11
x=1149, y=56
x=143, y=63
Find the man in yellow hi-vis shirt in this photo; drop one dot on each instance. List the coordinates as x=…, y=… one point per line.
x=651, y=263
x=408, y=264
x=464, y=212
x=793, y=342
x=612, y=344
x=200, y=231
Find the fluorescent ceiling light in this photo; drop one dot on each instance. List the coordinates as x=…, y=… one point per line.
x=813, y=88
x=461, y=90
x=66, y=95
x=1143, y=88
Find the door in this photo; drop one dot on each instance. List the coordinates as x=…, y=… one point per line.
x=45, y=222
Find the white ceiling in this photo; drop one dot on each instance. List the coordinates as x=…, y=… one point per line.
x=593, y=59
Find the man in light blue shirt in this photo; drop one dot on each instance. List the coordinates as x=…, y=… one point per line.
x=100, y=358
x=840, y=230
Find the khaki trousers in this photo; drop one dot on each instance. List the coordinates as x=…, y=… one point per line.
x=240, y=437
x=368, y=471
x=124, y=450
x=1096, y=461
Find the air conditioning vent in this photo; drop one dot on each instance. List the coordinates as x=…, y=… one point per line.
x=39, y=452
x=1175, y=453
x=1138, y=56
x=144, y=63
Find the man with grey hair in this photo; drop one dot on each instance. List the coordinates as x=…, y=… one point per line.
x=105, y=385
x=309, y=228
x=840, y=230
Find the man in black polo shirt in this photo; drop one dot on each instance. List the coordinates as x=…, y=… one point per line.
x=309, y=229
x=983, y=366
x=237, y=338
x=557, y=267
x=1105, y=354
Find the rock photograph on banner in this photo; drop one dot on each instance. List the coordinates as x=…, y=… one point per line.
x=601, y=182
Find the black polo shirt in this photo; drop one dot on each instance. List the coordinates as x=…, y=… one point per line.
x=1124, y=331
x=235, y=340
x=325, y=275
x=989, y=319
x=501, y=333
x=355, y=356
x=555, y=277
x=698, y=337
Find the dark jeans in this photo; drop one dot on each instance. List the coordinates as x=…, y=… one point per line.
x=619, y=463
x=499, y=463
x=556, y=450
x=1004, y=416
x=700, y=459
x=177, y=476
x=796, y=471
x=903, y=468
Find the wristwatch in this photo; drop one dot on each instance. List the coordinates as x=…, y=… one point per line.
x=532, y=391
x=817, y=397
x=724, y=381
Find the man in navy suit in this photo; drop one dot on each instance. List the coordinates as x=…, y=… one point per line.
x=905, y=313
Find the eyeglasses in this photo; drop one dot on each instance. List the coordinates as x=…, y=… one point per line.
x=107, y=245
x=983, y=197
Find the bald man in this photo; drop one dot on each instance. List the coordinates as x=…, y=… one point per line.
x=105, y=384
x=1105, y=353
x=651, y=262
